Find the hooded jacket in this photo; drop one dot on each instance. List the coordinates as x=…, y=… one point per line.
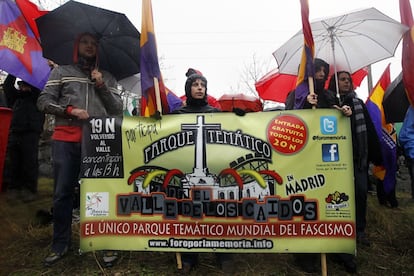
x=70, y=86
x=326, y=98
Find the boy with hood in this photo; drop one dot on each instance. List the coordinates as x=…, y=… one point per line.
x=74, y=93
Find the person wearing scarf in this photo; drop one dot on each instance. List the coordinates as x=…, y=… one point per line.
x=366, y=148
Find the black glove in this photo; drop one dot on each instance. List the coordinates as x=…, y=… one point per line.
x=156, y=115
x=239, y=111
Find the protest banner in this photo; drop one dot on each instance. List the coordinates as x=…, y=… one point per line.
x=279, y=181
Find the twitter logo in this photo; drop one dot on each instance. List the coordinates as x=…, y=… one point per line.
x=328, y=125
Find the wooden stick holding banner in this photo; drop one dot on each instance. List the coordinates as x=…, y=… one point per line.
x=157, y=96
x=324, y=268
x=179, y=262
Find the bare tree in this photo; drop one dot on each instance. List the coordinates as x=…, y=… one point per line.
x=252, y=72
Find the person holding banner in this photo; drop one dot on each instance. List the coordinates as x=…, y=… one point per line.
x=196, y=102
x=322, y=98
x=74, y=93
x=363, y=130
x=366, y=148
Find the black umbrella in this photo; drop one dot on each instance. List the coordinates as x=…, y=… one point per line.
x=119, y=49
x=395, y=102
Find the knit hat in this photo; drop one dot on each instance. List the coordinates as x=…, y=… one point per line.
x=192, y=76
x=191, y=71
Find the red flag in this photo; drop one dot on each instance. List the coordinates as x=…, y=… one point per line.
x=306, y=68
x=407, y=62
x=30, y=12
x=152, y=85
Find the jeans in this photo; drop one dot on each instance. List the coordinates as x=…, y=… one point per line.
x=66, y=166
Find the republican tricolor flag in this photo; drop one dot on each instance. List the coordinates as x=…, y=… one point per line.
x=306, y=68
x=387, y=172
x=20, y=51
x=154, y=97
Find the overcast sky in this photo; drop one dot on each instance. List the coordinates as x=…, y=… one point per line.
x=220, y=37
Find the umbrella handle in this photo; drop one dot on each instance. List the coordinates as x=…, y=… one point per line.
x=331, y=35
x=96, y=67
x=97, y=77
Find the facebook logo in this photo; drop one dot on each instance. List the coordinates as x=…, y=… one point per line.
x=328, y=125
x=330, y=153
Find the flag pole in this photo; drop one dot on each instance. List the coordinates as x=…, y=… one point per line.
x=369, y=79
x=311, y=85
x=179, y=262
x=324, y=268
x=311, y=88
x=306, y=67
x=157, y=95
